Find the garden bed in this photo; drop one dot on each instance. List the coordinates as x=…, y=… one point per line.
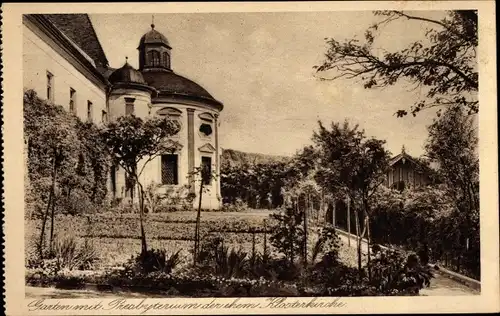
x=116, y=236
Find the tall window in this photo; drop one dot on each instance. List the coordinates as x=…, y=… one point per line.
x=129, y=106
x=89, y=111
x=72, y=100
x=113, y=179
x=50, y=86
x=166, y=60
x=206, y=171
x=169, y=169
x=104, y=116
x=154, y=58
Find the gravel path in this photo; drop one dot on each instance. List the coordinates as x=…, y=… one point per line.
x=440, y=284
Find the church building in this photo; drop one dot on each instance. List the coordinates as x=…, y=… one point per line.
x=63, y=61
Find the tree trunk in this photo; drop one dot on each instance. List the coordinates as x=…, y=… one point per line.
x=197, y=227
x=264, y=252
x=367, y=225
x=349, y=221
x=53, y=193
x=52, y=213
x=144, y=246
x=358, y=240
x=44, y=221
x=253, y=249
x=306, y=206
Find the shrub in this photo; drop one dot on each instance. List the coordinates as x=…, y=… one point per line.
x=327, y=242
x=69, y=254
x=236, y=206
x=219, y=260
x=392, y=270
x=231, y=263
x=77, y=203
x=330, y=273
x=288, y=233
x=154, y=260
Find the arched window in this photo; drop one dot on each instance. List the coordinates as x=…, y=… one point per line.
x=166, y=59
x=154, y=58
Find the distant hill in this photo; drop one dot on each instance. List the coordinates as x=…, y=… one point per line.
x=238, y=158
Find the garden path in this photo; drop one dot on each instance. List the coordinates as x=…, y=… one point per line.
x=440, y=284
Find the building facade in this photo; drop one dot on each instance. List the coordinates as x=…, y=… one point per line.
x=405, y=172
x=64, y=63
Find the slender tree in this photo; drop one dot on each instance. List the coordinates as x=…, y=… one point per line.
x=133, y=143
x=351, y=164
x=52, y=150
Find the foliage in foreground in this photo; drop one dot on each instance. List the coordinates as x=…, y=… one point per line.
x=67, y=164
x=233, y=275
x=67, y=254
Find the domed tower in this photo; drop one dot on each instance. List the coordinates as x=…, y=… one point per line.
x=198, y=114
x=154, y=51
x=129, y=93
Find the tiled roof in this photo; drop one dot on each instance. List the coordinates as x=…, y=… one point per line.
x=401, y=156
x=167, y=82
x=126, y=74
x=153, y=37
x=80, y=30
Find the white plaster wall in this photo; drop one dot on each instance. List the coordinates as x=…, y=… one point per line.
x=117, y=102
x=152, y=172
x=41, y=55
x=209, y=199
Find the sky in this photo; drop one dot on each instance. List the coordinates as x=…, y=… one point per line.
x=260, y=65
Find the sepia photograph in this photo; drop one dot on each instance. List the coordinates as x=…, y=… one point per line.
x=315, y=154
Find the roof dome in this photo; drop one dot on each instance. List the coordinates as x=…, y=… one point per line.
x=169, y=83
x=126, y=74
x=154, y=37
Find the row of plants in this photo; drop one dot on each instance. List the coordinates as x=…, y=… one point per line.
x=99, y=226
x=224, y=271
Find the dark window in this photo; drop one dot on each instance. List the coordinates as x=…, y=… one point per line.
x=129, y=106
x=72, y=100
x=169, y=169
x=50, y=86
x=154, y=58
x=104, y=117
x=206, y=129
x=89, y=111
x=206, y=170
x=166, y=60
x=113, y=179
